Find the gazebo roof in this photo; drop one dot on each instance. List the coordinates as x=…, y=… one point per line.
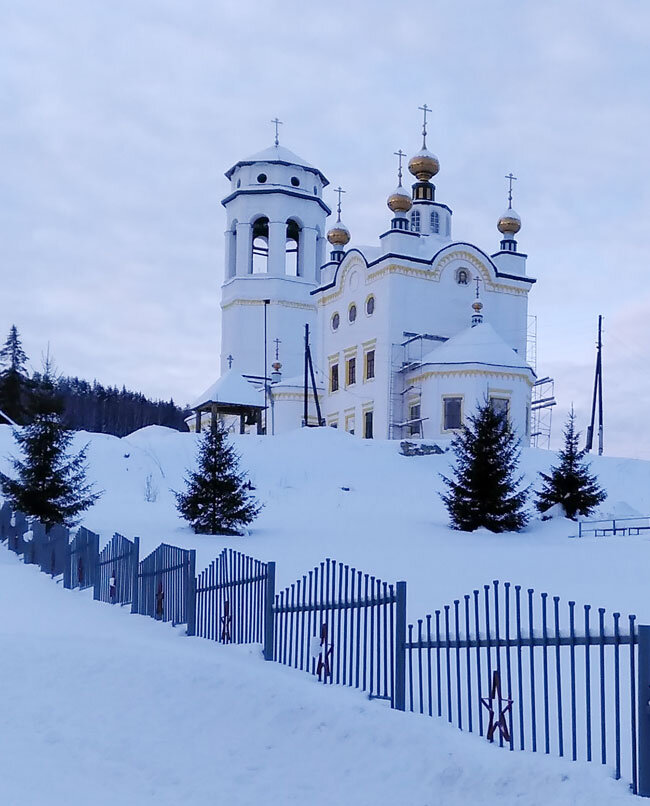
x=232, y=389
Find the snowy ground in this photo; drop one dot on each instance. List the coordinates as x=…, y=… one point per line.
x=120, y=709
x=390, y=523
x=101, y=707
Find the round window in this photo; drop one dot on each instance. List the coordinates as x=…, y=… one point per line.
x=295, y=181
x=370, y=306
x=336, y=321
x=261, y=178
x=352, y=312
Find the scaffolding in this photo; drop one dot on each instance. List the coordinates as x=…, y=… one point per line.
x=541, y=410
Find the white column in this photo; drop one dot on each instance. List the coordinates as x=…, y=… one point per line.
x=307, y=254
x=244, y=249
x=277, y=248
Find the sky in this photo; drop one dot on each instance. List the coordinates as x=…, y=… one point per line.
x=120, y=118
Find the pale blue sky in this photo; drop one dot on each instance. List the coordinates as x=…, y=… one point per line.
x=119, y=119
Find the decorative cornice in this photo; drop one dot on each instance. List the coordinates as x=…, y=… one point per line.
x=260, y=302
x=484, y=373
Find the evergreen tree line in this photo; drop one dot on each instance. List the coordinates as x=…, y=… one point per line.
x=486, y=490
x=84, y=406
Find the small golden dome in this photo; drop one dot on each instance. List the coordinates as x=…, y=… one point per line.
x=478, y=306
x=399, y=201
x=339, y=235
x=424, y=165
x=277, y=366
x=509, y=222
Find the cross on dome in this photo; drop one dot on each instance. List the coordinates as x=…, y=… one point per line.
x=424, y=109
x=339, y=191
x=277, y=123
x=511, y=178
x=399, y=154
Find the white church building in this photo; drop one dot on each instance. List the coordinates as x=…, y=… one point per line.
x=405, y=337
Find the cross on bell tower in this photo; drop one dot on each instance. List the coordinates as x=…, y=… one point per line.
x=277, y=123
x=511, y=178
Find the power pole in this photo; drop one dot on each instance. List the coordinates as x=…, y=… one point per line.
x=597, y=396
x=310, y=375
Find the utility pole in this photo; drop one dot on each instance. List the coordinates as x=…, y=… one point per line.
x=267, y=302
x=597, y=396
x=310, y=375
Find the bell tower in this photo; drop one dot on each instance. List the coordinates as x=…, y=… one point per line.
x=275, y=246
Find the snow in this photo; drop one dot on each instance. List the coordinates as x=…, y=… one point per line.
x=231, y=388
x=480, y=344
x=278, y=154
x=156, y=717
x=101, y=706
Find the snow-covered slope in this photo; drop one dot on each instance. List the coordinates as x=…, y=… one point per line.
x=102, y=707
x=389, y=522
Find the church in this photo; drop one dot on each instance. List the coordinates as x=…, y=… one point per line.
x=397, y=340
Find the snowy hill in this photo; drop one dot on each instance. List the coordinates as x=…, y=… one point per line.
x=390, y=521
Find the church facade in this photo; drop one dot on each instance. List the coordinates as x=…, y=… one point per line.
x=405, y=337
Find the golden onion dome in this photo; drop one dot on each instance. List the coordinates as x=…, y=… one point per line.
x=339, y=235
x=277, y=366
x=399, y=201
x=424, y=165
x=509, y=222
x=478, y=306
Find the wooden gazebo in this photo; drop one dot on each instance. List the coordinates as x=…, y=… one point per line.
x=231, y=394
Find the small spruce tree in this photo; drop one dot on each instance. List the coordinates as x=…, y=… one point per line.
x=50, y=482
x=13, y=378
x=485, y=490
x=570, y=483
x=217, y=499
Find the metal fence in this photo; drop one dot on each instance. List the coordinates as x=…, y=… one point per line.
x=232, y=599
x=166, y=586
x=535, y=674
x=614, y=526
x=81, y=566
x=116, y=571
x=47, y=548
x=339, y=624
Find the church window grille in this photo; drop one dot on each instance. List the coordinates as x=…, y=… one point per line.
x=500, y=406
x=415, y=426
x=261, y=178
x=351, y=371
x=462, y=277
x=260, y=262
x=370, y=306
x=415, y=221
x=452, y=413
x=352, y=313
x=295, y=181
x=367, y=425
x=435, y=221
x=334, y=378
x=370, y=365
x=336, y=321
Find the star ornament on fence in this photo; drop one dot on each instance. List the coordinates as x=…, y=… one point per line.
x=497, y=707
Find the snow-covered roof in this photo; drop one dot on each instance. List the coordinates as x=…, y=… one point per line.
x=231, y=388
x=277, y=154
x=299, y=382
x=480, y=344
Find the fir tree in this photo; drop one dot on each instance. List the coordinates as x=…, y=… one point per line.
x=13, y=378
x=217, y=499
x=486, y=491
x=50, y=483
x=570, y=484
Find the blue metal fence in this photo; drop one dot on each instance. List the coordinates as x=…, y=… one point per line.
x=5, y=522
x=340, y=625
x=116, y=571
x=231, y=598
x=614, y=526
x=166, y=586
x=81, y=567
x=47, y=549
x=567, y=681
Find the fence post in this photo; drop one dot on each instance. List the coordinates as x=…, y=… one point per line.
x=399, y=697
x=135, y=567
x=190, y=600
x=643, y=695
x=579, y=528
x=269, y=615
x=67, y=571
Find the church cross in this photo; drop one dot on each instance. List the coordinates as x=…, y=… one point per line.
x=277, y=343
x=399, y=154
x=339, y=190
x=511, y=178
x=477, y=281
x=277, y=123
x=425, y=110
x=230, y=359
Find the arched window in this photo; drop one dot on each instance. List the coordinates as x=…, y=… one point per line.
x=292, y=247
x=232, y=250
x=435, y=221
x=415, y=221
x=260, y=264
